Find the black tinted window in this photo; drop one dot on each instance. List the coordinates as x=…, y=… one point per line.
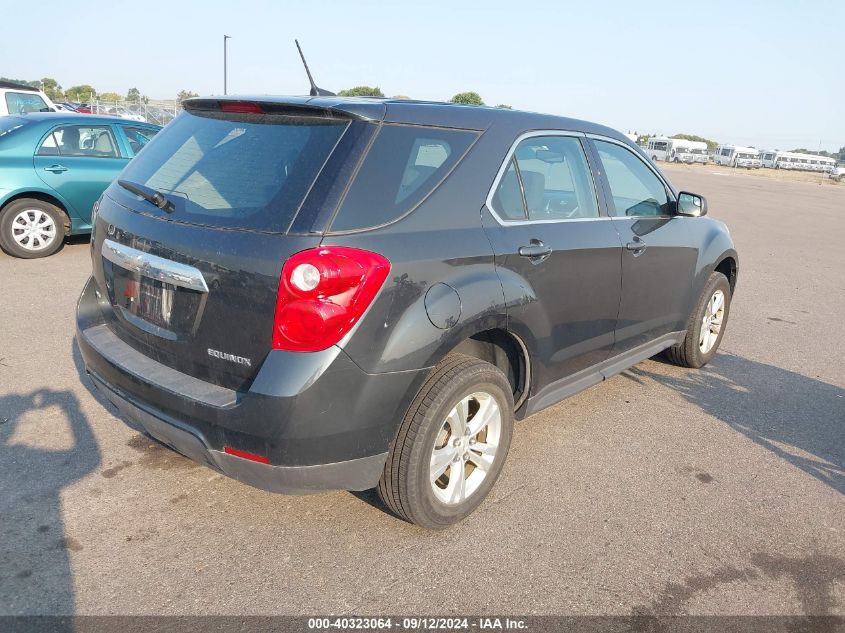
x=247, y=171
x=402, y=167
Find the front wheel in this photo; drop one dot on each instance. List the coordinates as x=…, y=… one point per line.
x=31, y=228
x=452, y=444
x=706, y=325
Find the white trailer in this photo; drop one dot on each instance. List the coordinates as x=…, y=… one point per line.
x=738, y=156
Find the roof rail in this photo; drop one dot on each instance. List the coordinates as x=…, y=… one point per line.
x=16, y=86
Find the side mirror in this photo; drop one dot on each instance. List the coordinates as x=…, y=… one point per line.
x=691, y=204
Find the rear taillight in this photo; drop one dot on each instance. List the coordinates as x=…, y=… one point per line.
x=322, y=294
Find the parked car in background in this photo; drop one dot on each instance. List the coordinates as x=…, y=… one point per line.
x=21, y=99
x=53, y=167
x=838, y=173
x=317, y=293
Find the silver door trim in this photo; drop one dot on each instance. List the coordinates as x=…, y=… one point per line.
x=154, y=267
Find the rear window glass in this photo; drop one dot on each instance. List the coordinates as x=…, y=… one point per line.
x=246, y=171
x=403, y=166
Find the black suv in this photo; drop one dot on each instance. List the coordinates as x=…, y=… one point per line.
x=318, y=293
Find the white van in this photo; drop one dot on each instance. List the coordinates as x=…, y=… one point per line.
x=738, y=156
x=20, y=99
x=683, y=151
x=658, y=147
x=793, y=160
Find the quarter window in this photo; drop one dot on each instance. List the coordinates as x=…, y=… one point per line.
x=138, y=136
x=79, y=140
x=547, y=179
x=635, y=189
x=403, y=166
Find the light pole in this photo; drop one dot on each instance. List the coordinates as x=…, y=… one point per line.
x=225, y=38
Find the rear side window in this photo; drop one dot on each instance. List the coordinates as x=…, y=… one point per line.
x=245, y=171
x=23, y=102
x=546, y=179
x=403, y=166
x=79, y=140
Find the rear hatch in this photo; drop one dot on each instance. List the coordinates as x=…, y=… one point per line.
x=189, y=243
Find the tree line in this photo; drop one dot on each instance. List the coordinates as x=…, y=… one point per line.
x=87, y=92
x=84, y=93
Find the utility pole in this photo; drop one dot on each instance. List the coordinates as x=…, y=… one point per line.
x=225, y=39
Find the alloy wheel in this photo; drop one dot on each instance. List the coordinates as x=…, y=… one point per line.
x=711, y=323
x=465, y=448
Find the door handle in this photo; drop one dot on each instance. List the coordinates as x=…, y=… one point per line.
x=535, y=250
x=56, y=169
x=637, y=246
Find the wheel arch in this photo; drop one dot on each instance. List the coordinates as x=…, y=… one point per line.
x=505, y=350
x=43, y=196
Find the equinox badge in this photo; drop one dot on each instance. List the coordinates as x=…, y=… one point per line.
x=240, y=360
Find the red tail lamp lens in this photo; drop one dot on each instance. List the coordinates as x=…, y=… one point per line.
x=243, y=107
x=322, y=294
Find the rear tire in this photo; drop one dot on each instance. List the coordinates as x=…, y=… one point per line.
x=452, y=444
x=31, y=228
x=706, y=325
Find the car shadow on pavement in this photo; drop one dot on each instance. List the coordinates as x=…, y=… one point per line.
x=799, y=419
x=35, y=466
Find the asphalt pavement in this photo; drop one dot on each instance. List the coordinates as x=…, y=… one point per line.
x=661, y=491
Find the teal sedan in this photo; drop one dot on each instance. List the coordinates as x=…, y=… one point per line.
x=53, y=168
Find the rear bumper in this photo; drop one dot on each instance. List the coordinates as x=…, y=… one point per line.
x=320, y=421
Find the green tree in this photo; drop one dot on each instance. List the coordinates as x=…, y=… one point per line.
x=109, y=96
x=185, y=94
x=133, y=95
x=361, y=91
x=467, y=98
x=83, y=92
x=52, y=89
x=505, y=106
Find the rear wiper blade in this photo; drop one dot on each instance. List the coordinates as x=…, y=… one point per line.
x=150, y=195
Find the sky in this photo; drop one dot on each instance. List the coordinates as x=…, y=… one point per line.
x=765, y=73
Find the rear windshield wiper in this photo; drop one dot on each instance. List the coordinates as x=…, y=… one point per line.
x=150, y=195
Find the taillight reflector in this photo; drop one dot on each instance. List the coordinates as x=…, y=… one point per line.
x=322, y=293
x=245, y=455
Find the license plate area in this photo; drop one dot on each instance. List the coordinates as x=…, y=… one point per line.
x=153, y=294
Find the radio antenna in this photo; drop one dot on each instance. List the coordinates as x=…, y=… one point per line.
x=315, y=91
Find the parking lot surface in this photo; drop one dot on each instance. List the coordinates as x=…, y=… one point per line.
x=661, y=491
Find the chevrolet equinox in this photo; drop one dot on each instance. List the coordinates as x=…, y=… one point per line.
x=337, y=293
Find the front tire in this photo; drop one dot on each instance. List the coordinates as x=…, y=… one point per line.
x=31, y=228
x=452, y=444
x=706, y=325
